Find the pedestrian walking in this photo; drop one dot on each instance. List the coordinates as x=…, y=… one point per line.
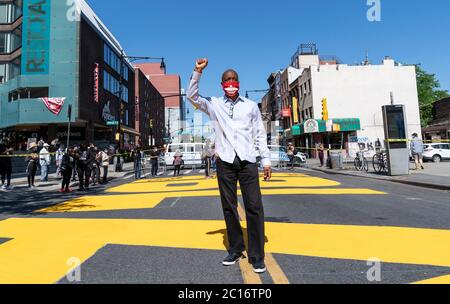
x=32, y=164
x=44, y=162
x=67, y=166
x=321, y=151
x=6, y=153
x=154, y=160
x=239, y=127
x=76, y=149
x=417, y=150
x=177, y=163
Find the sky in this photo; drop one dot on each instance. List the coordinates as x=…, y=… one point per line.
x=259, y=37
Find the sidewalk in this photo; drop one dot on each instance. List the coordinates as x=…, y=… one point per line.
x=435, y=175
x=54, y=183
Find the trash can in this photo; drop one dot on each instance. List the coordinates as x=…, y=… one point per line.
x=337, y=160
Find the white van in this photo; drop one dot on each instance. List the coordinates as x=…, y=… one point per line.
x=192, y=153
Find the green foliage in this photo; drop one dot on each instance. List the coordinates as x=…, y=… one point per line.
x=428, y=90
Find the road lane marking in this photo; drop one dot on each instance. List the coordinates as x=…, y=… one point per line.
x=438, y=280
x=40, y=247
x=275, y=271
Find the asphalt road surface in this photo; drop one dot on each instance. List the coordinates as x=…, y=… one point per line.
x=319, y=228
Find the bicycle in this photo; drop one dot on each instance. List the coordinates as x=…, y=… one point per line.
x=380, y=163
x=361, y=163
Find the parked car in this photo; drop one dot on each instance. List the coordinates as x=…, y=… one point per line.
x=436, y=152
x=192, y=154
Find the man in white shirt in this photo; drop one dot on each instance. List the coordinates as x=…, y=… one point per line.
x=239, y=130
x=44, y=161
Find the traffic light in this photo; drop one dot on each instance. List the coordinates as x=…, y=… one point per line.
x=151, y=123
x=324, y=109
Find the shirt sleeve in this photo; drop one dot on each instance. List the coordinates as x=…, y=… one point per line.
x=193, y=95
x=260, y=135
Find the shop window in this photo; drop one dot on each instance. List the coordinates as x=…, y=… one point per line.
x=28, y=93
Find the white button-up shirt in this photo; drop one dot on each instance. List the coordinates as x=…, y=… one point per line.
x=238, y=124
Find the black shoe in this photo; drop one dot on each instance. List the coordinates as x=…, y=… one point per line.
x=259, y=266
x=232, y=259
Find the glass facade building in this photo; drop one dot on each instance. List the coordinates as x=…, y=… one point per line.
x=49, y=48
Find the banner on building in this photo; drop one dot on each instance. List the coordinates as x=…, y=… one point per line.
x=54, y=105
x=295, y=109
x=96, y=85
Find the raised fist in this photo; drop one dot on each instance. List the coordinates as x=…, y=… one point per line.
x=201, y=64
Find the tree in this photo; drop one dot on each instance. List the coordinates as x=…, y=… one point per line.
x=428, y=90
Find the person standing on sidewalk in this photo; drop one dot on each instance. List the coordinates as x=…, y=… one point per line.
x=291, y=154
x=67, y=166
x=32, y=164
x=154, y=158
x=417, y=150
x=6, y=153
x=103, y=158
x=58, y=157
x=137, y=158
x=44, y=162
x=239, y=127
x=321, y=151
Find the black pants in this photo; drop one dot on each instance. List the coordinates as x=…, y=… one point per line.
x=176, y=170
x=321, y=158
x=66, y=174
x=154, y=167
x=84, y=175
x=247, y=174
x=6, y=172
x=208, y=166
x=105, y=174
x=32, y=169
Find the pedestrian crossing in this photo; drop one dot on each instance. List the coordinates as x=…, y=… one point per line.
x=51, y=241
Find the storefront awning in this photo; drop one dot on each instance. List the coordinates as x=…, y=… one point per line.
x=320, y=126
x=128, y=130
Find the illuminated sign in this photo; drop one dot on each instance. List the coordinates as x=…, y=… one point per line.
x=36, y=37
x=96, y=77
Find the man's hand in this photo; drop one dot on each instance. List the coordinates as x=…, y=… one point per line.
x=267, y=173
x=201, y=64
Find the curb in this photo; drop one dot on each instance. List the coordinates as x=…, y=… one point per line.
x=405, y=182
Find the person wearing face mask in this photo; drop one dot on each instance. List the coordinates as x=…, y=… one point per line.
x=239, y=127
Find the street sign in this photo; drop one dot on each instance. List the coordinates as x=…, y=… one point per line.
x=112, y=123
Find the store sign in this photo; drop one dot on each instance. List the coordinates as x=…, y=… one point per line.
x=96, y=80
x=311, y=126
x=36, y=37
x=286, y=113
x=106, y=113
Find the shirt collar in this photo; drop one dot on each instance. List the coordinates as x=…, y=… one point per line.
x=227, y=100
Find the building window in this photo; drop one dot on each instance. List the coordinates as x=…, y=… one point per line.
x=115, y=62
x=28, y=93
x=9, y=70
x=112, y=85
x=10, y=12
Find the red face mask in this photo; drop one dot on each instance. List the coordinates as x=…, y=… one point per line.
x=231, y=88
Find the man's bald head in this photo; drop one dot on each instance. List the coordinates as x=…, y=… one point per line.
x=230, y=75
